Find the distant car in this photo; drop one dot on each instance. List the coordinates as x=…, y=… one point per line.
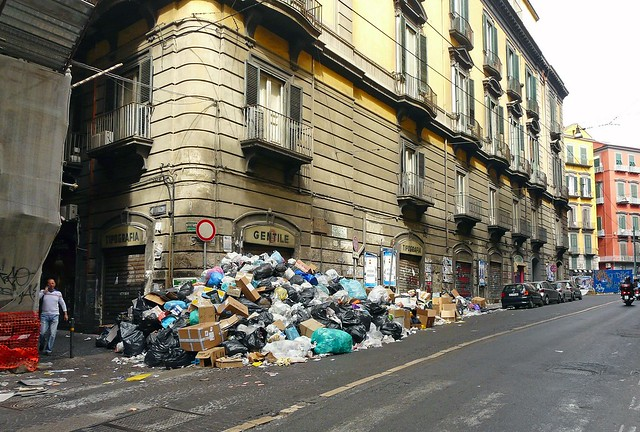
x=564, y=288
x=547, y=292
x=576, y=294
x=520, y=295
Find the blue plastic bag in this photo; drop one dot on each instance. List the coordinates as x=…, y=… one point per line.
x=331, y=341
x=214, y=279
x=354, y=288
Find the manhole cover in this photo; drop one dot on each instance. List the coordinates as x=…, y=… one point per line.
x=31, y=402
x=155, y=419
x=578, y=369
x=630, y=333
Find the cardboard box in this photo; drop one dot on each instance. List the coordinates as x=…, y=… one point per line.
x=443, y=299
x=208, y=357
x=206, y=313
x=480, y=301
x=225, y=324
x=155, y=298
x=243, y=281
x=392, y=295
x=309, y=326
x=200, y=337
x=229, y=362
x=435, y=308
x=232, y=305
x=426, y=316
x=401, y=316
x=447, y=307
x=455, y=293
x=234, y=292
x=279, y=324
x=307, y=268
x=449, y=315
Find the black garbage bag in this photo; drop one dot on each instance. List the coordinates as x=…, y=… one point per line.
x=264, y=316
x=267, y=282
x=392, y=328
x=107, y=339
x=159, y=346
x=186, y=289
x=139, y=306
x=296, y=280
x=348, y=316
x=293, y=296
x=132, y=339
x=300, y=315
x=256, y=340
x=334, y=287
x=380, y=320
x=306, y=295
x=263, y=271
x=250, y=305
x=375, y=309
x=280, y=269
x=358, y=332
x=234, y=346
x=177, y=358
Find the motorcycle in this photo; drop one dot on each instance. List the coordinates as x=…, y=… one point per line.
x=628, y=293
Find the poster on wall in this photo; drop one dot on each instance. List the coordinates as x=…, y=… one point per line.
x=388, y=267
x=370, y=269
x=428, y=274
x=482, y=273
x=447, y=270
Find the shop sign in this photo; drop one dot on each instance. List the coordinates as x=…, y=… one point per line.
x=410, y=247
x=190, y=227
x=124, y=235
x=370, y=269
x=388, y=267
x=269, y=235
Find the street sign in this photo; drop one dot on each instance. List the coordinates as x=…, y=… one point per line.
x=206, y=230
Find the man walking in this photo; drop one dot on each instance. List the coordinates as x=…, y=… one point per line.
x=49, y=313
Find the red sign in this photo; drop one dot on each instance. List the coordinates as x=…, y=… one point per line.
x=206, y=230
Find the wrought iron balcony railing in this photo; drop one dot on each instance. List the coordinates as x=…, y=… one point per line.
x=130, y=121
x=469, y=126
x=492, y=63
x=514, y=89
x=417, y=89
x=269, y=126
x=461, y=29
x=468, y=205
x=412, y=184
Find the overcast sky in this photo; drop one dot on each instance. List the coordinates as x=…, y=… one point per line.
x=593, y=46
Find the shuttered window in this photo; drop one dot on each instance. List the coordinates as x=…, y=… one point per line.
x=255, y=93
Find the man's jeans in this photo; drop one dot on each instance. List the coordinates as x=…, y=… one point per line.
x=48, y=323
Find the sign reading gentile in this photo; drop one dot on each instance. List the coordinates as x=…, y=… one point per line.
x=269, y=235
x=124, y=235
x=411, y=248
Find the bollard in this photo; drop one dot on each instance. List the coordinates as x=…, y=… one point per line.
x=71, y=330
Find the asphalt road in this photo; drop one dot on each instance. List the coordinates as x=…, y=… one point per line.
x=567, y=367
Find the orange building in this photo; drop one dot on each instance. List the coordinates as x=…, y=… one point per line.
x=617, y=178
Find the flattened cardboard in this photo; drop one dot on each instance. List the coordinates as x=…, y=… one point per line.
x=200, y=337
x=307, y=268
x=234, y=306
x=279, y=324
x=229, y=362
x=455, y=293
x=234, y=292
x=208, y=357
x=309, y=326
x=155, y=298
x=225, y=324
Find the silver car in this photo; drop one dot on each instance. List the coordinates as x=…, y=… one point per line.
x=576, y=294
x=547, y=292
x=564, y=289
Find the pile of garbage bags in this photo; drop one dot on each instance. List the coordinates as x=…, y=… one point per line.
x=257, y=308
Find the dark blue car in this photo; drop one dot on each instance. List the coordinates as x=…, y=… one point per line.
x=520, y=295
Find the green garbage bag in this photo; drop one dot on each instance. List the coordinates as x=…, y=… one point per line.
x=331, y=341
x=194, y=317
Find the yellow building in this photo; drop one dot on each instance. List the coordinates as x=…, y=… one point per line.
x=581, y=216
x=425, y=131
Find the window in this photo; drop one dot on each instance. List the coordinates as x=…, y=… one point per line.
x=461, y=7
x=137, y=86
x=557, y=170
x=490, y=37
x=493, y=206
x=571, y=216
x=516, y=215
x=572, y=183
x=588, y=263
x=574, y=262
x=274, y=104
x=583, y=156
x=570, y=157
x=412, y=58
x=587, y=244
x=599, y=222
x=632, y=160
x=623, y=247
x=635, y=222
x=516, y=140
x=585, y=187
x=531, y=85
x=586, y=216
x=573, y=242
x=596, y=162
x=513, y=65
x=461, y=192
x=622, y=221
x=463, y=100
x=599, y=190
x=494, y=121
x=413, y=169
x=620, y=189
x=633, y=187
x=534, y=150
x=618, y=159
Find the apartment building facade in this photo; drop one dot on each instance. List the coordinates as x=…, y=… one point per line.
x=617, y=176
x=424, y=133
x=581, y=216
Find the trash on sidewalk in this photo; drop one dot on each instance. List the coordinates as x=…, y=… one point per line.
x=264, y=310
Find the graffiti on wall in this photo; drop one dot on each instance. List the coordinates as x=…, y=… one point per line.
x=17, y=286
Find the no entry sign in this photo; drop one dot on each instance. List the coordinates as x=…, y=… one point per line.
x=206, y=230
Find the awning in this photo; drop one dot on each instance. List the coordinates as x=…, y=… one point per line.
x=43, y=32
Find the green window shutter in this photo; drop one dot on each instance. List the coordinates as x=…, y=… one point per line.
x=494, y=40
x=403, y=45
x=471, y=100
x=295, y=103
x=145, y=72
x=501, y=120
x=422, y=51
x=421, y=167
x=485, y=34
x=251, y=82
x=403, y=156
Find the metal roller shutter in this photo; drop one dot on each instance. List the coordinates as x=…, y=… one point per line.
x=495, y=281
x=408, y=272
x=258, y=249
x=123, y=280
x=463, y=278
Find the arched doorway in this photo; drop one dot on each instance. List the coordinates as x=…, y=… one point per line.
x=463, y=271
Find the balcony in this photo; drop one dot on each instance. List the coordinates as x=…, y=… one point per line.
x=588, y=250
x=561, y=196
x=492, y=65
x=520, y=168
x=270, y=137
x=74, y=145
x=621, y=168
x=633, y=169
x=415, y=194
x=521, y=231
x=572, y=224
x=514, y=89
x=555, y=130
x=574, y=193
x=587, y=225
x=617, y=258
x=121, y=132
x=574, y=250
x=562, y=245
x=583, y=162
x=468, y=213
x=598, y=169
x=298, y=21
x=498, y=153
x=470, y=133
x=538, y=181
x=586, y=194
x=601, y=233
x=532, y=108
x=461, y=31
x=499, y=224
x=416, y=97
x=624, y=232
x=634, y=200
x=622, y=199
x=538, y=237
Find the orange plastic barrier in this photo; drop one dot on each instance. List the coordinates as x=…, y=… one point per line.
x=19, y=333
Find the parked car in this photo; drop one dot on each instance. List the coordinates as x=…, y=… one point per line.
x=566, y=294
x=520, y=295
x=576, y=294
x=547, y=292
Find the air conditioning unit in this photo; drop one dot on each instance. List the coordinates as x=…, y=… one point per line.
x=69, y=212
x=101, y=139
